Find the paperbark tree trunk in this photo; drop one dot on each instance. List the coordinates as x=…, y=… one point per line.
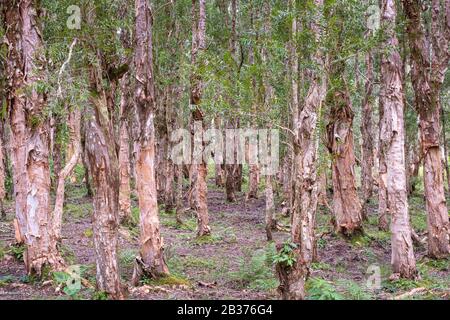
x=293, y=279
x=392, y=140
x=30, y=136
x=346, y=204
x=104, y=169
x=200, y=187
x=66, y=171
x=124, y=153
x=367, y=161
x=429, y=57
x=151, y=260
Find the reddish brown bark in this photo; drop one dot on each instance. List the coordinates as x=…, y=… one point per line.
x=30, y=136
x=151, y=260
x=429, y=58
x=346, y=204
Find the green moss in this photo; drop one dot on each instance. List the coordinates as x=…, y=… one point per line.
x=171, y=280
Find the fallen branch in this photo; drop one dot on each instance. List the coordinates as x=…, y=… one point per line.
x=414, y=291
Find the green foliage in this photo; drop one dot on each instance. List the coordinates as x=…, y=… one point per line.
x=320, y=289
x=127, y=257
x=4, y=280
x=354, y=291
x=256, y=270
x=286, y=255
x=100, y=295
x=17, y=250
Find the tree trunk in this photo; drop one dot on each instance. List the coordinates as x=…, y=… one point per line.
x=104, y=169
x=293, y=279
x=124, y=154
x=66, y=171
x=392, y=139
x=346, y=205
x=431, y=51
x=200, y=186
x=367, y=161
x=151, y=261
x=30, y=137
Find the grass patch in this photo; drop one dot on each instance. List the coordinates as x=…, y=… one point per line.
x=171, y=280
x=196, y=262
x=188, y=225
x=78, y=211
x=209, y=239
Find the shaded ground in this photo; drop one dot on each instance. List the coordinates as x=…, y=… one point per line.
x=234, y=263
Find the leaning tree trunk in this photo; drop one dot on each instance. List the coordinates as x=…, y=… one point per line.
x=346, y=204
x=30, y=136
x=293, y=279
x=151, y=260
x=429, y=57
x=392, y=140
x=66, y=171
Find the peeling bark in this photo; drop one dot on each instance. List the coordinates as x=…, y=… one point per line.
x=30, y=136
x=151, y=260
x=199, y=179
x=392, y=138
x=124, y=154
x=430, y=56
x=104, y=169
x=293, y=279
x=346, y=204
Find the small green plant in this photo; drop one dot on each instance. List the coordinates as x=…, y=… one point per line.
x=4, y=280
x=320, y=289
x=286, y=255
x=100, y=295
x=320, y=266
x=127, y=257
x=88, y=233
x=256, y=270
x=354, y=291
x=17, y=251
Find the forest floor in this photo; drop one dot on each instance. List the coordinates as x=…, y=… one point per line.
x=235, y=262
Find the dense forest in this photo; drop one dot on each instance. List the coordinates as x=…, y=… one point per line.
x=224, y=149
